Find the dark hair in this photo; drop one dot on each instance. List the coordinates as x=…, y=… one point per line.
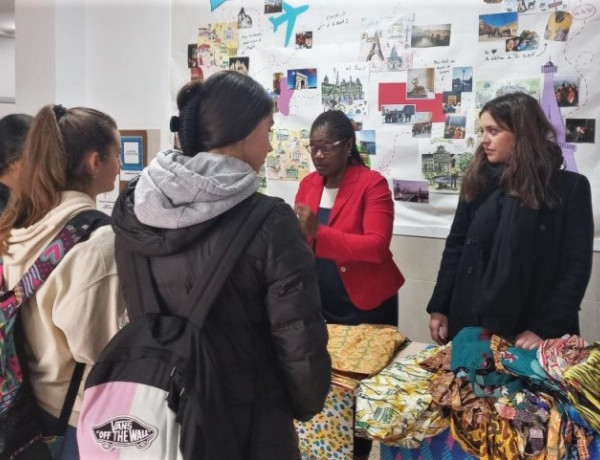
x=529, y=172
x=340, y=126
x=53, y=161
x=13, y=131
x=220, y=111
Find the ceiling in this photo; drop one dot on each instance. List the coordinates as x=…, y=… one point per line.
x=7, y=18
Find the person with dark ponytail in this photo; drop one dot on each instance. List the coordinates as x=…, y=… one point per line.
x=346, y=212
x=172, y=218
x=13, y=131
x=69, y=157
x=519, y=253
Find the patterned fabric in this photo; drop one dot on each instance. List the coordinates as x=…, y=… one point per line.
x=473, y=358
x=492, y=439
x=594, y=447
x=556, y=355
x=395, y=406
x=329, y=434
x=555, y=442
x=362, y=349
x=521, y=363
x=452, y=392
x=439, y=447
x=583, y=383
x=474, y=422
x=346, y=380
x=529, y=413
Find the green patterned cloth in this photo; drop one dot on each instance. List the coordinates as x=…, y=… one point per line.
x=395, y=406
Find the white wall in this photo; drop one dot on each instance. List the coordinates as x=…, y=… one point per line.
x=115, y=57
x=110, y=55
x=7, y=75
x=7, y=64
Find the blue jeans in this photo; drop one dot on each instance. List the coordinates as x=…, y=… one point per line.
x=68, y=449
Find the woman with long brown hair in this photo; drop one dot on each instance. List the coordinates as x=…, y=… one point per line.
x=69, y=157
x=519, y=254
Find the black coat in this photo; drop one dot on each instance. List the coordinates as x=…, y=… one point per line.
x=275, y=284
x=558, y=268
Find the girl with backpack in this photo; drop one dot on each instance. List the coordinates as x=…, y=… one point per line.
x=69, y=157
x=264, y=335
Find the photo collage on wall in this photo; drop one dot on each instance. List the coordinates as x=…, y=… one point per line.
x=412, y=80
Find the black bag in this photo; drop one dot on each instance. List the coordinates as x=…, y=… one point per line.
x=21, y=434
x=154, y=391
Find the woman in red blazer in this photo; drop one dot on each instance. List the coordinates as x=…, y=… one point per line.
x=346, y=212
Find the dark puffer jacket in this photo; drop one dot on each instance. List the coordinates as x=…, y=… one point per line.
x=275, y=283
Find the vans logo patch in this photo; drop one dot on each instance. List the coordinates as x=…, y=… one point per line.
x=124, y=431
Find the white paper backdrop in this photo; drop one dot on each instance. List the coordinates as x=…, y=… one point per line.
x=404, y=53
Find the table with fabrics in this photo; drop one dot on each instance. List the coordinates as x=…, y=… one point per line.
x=356, y=353
x=481, y=397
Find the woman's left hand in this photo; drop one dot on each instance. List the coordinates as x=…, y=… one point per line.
x=528, y=340
x=309, y=223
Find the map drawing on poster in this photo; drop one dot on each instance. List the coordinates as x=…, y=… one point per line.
x=412, y=77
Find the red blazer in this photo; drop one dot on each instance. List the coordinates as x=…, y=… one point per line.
x=358, y=235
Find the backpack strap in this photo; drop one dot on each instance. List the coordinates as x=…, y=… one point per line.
x=77, y=229
x=236, y=233
x=67, y=408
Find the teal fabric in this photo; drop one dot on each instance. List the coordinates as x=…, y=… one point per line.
x=472, y=358
x=524, y=363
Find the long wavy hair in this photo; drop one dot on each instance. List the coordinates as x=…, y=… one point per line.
x=530, y=171
x=53, y=161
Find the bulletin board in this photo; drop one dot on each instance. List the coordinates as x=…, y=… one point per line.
x=411, y=75
x=134, y=157
x=134, y=154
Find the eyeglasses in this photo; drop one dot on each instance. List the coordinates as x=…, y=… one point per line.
x=325, y=149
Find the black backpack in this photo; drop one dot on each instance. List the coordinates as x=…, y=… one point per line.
x=154, y=392
x=20, y=430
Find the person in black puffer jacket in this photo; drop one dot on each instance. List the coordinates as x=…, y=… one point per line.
x=223, y=131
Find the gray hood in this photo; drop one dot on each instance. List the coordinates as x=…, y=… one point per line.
x=177, y=191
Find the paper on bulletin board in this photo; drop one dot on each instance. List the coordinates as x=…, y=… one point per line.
x=105, y=202
x=132, y=157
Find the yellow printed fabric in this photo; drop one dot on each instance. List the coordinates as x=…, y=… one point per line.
x=583, y=387
x=363, y=349
x=555, y=444
x=328, y=435
x=395, y=406
x=492, y=439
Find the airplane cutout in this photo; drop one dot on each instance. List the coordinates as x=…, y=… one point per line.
x=290, y=14
x=214, y=4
